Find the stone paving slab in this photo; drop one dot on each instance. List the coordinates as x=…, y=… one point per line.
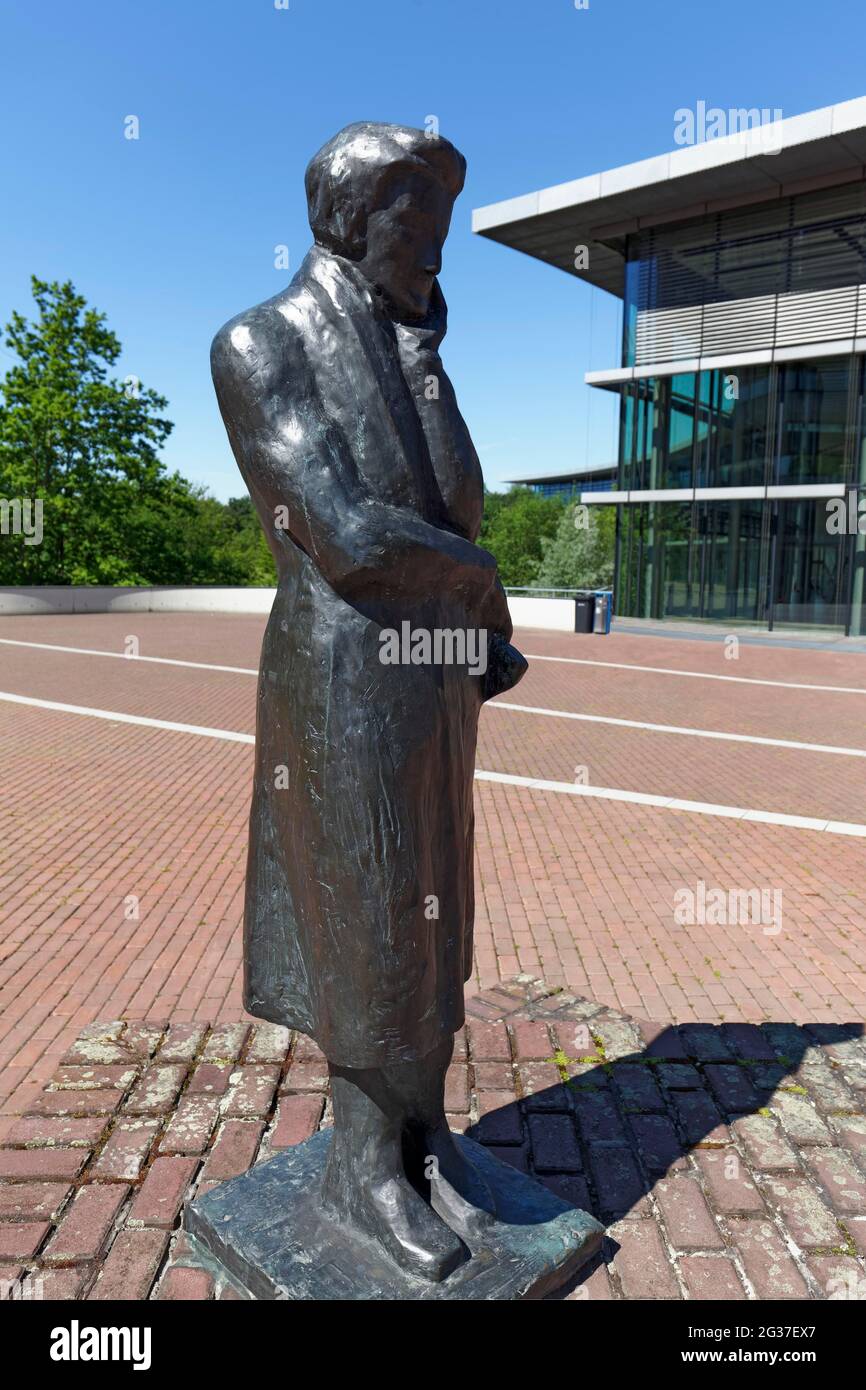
x=726, y=1162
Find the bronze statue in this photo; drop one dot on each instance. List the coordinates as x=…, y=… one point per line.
x=359, y=902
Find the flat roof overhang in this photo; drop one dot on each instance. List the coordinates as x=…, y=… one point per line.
x=613, y=378
x=818, y=149
x=765, y=492
x=572, y=475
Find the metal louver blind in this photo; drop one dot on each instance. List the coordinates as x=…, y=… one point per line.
x=746, y=324
x=784, y=273
x=668, y=335
x=818, y=316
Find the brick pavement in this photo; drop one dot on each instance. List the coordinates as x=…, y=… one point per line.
x=122, y=847
x=727, y=1161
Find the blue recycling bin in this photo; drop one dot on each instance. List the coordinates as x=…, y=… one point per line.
x=603, y=611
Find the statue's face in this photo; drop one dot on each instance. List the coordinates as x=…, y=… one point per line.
x=404, y=243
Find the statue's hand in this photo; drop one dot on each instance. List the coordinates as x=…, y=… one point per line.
x=505, y=667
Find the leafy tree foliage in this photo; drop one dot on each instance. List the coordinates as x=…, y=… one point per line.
x=514, y=527
x=580, y=555
x=87, y=446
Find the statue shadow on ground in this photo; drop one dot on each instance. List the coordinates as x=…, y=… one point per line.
x=606, y=1132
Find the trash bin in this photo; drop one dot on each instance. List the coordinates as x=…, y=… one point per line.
x=584, y=612
x=603, y=608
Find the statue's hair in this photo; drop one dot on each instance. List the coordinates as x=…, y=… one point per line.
x=351, y=176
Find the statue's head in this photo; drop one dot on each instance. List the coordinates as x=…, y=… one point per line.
x=382, y=195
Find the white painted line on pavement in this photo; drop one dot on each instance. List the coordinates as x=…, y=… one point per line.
x=631, y=798
x=699, y=675
x=525, y=709
x=116, y=718
x=125, y=656
x=566, y=660
x=671, y=803
x=678, y=729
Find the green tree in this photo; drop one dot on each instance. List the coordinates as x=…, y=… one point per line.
x=580, y=555
x=514, y=526
x=86, y=445
x=247, y=545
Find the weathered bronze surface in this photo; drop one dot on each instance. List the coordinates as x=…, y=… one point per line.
x=359, y=903
x=269, y=1233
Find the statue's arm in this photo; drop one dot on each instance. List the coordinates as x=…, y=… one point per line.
x=362, y=546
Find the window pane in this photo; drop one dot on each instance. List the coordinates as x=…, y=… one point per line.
x=732, y=553
x=732, y=430
x=662, y=560
x=660, y=451
x=809, y=566
x=814, y=407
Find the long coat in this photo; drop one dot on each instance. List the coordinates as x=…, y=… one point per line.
x=359, y=895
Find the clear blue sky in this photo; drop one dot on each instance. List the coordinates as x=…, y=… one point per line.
x=174, y=233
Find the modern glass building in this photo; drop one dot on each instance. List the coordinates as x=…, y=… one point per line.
x=600, y=477
x=741, y=265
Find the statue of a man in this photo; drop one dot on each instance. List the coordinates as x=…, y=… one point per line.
x=359, y=904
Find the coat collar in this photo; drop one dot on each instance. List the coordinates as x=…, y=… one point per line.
x=349, y=289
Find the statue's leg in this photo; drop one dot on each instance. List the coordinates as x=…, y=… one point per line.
x=457, y=1190
x=365, y=1181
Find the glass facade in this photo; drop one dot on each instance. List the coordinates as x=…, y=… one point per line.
x=815, y=429
x=810, y=567
x=758, y=455
x=703, y=560
x=805, y=244
x=704, y=429
x=733, y=423
x=765, y=560
x=572, y=487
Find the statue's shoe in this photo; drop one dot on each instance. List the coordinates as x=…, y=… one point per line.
x=390, y=1212
x=458, y=1191
x=414, y=1235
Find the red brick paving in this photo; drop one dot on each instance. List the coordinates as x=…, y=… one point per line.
x=743, y=1206
x=123, y=847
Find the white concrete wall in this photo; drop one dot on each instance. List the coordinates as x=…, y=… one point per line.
x=164, y=599
x=555, y=613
